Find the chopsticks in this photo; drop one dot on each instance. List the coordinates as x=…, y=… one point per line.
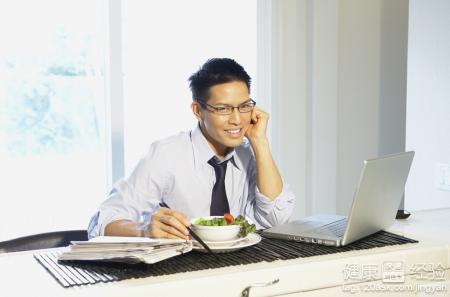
x=192, y=233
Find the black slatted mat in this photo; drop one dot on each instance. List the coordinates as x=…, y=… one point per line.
x=76, y=273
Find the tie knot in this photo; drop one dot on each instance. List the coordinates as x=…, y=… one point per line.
x=215, y=163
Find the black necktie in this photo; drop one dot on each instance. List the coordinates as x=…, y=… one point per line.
x=219, y=200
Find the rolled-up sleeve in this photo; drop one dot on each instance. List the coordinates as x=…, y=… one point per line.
x=131, y=197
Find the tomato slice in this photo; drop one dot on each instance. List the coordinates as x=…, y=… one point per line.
x=228, y=217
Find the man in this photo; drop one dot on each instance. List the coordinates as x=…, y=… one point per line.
x=210, y=170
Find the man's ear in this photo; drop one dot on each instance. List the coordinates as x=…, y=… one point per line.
x=197, y=111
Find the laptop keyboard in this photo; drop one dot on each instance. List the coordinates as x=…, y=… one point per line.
x=337, y=228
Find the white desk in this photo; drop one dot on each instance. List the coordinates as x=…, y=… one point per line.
x=21, y=275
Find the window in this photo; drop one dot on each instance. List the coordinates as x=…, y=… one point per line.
x=56, y=125
x=164, y=42
x=52, y=121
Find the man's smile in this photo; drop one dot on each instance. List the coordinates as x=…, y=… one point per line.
x=234, y=132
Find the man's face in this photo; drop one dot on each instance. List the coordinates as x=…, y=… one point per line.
x=224, y=131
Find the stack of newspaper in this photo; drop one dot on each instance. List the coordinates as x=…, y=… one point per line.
x=125, y=249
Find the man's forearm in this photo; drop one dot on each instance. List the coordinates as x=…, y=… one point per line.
x=123, y=228
x=268, y=178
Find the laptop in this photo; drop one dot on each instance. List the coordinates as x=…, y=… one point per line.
x=375, y=204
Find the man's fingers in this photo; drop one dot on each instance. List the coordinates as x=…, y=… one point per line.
x=173, y=221
x=254, y=119
x=182, y=218
x=260, y=114
x=171, y=231
x=169, y=223
x=164, y=211
x=254, y=116
x=161, y=230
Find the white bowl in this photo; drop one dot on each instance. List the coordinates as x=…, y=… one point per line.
x=215, y=233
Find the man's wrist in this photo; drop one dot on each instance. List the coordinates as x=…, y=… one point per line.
x=259, y=144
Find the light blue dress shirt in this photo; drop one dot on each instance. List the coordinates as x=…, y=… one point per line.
x=176, y=170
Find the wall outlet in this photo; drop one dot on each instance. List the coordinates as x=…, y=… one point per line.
x=442, y=176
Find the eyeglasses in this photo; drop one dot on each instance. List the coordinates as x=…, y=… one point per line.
x=228, y=109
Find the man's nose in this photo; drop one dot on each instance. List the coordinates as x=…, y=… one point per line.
x=235, y=117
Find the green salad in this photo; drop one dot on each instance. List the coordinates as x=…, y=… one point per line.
x=228, y=219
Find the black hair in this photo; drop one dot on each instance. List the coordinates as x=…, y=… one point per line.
x=216, y=71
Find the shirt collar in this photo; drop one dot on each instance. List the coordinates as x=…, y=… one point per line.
x=203, y=152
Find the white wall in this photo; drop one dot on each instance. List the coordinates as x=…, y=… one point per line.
x=288, y=90
x=338, y=93
x=428, y=112
x=371, y=87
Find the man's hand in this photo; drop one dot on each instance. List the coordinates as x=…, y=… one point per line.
x=168, y=223
x=257, y=130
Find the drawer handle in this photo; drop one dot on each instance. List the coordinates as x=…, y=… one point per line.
x=246, y=291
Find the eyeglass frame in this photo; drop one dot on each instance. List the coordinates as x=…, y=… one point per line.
x=215, y=108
